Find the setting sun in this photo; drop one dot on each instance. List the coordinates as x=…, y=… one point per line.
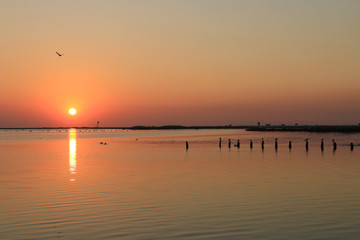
x=72, y=111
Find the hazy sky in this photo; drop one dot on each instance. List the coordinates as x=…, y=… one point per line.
x=207, y=62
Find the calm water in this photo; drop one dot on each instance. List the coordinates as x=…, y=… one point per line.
x=67, y=185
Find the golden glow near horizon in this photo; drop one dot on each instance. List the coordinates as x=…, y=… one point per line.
x=72, y=111
x=179, y=62
x=72, y=153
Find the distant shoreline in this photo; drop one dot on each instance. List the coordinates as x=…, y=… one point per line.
x=308, y=128
x=268, y=128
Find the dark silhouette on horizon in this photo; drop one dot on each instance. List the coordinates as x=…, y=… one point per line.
x=299, y=128
x=306, y=128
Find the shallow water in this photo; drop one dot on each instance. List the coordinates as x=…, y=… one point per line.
x=145, y=185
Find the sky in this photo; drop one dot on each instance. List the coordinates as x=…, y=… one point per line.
x=128, y=63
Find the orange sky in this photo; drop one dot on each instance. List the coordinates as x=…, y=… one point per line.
x=131, y=63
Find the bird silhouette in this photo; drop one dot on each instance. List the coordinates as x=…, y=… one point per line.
x=59, y=54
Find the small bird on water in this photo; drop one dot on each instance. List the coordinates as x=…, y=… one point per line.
x=59, y=54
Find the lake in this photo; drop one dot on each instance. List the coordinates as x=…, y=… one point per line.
x=146, y=185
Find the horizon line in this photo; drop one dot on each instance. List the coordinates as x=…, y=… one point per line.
x=268, y=127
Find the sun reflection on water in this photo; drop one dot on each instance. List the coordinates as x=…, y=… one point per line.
x=72, y=153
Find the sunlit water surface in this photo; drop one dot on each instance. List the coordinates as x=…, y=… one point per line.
x=145, y=185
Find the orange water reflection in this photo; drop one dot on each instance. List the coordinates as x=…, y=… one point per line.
x=72, y=153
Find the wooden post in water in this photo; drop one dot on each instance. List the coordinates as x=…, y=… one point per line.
x=351, y=146
x=251, y=144
x=276, y=144
x=229, y=144
x=290, y=145
x=262, y=143
x=220, y=143
x=334, y=144
x=187, y=145
x=238, y=143
x=322, y=145
x=307, y=144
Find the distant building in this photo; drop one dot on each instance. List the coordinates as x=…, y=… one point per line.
x=268, y=125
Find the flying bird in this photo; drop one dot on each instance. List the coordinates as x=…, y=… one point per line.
x=59, y=54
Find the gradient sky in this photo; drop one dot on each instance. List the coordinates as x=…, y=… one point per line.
x=207, y=62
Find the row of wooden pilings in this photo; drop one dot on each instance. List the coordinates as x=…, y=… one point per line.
x=276, y=144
